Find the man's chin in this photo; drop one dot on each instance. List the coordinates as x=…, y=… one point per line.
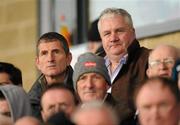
x=51, y=74
x=165, y=75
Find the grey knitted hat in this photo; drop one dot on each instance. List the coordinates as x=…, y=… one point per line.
x=87, y=63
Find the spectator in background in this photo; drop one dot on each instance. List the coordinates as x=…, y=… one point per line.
x=161, y=61
x=27, y=120
x=158, y=102
x=53, y=60
x=57, y=98
x=9, y=74
x=59, y=118
x=14, y=102
x=94, y=39
x=91, y=79
x=125, y=60
x=95, y=113
x=176, y=72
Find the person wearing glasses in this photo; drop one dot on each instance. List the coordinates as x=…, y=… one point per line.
x=161, y=61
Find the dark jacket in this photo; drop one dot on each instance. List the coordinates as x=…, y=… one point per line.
x=133, y=72
x=110, y=100
x=40, y=85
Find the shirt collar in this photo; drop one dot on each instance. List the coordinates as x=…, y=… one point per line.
x=122, y=60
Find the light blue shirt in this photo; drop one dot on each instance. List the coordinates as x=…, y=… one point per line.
x=118, y=68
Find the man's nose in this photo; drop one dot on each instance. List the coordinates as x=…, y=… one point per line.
x=162, y=65
x=89, y=83
x=58, y=108
x=50, y=57
x=114, y=37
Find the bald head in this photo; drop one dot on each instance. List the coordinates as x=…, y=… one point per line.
x=28, y=120
x=161, y=61
x=100, y=114
x=163, y=51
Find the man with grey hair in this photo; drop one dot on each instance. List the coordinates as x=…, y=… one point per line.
x=125, y=59
x=99, y=114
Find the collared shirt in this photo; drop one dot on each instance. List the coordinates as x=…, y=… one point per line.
x=113, y=74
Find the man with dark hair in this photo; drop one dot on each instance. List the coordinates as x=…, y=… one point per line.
x=9, y=74
x=57, y=98
x=158, y=102
x=53, y=60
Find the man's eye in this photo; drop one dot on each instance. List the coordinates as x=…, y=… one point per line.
x=51, y=107
x=106, y=34
x=6, y=114
x=43, y=53
x=146, y=107
x=82, y=78
x=121, y=30
x=56, y=51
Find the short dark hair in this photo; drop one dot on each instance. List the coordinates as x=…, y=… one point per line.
x=50, y=37
x=59, y=86
x=14, y=73
x=166, y=82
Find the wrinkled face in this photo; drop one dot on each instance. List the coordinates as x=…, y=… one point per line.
x=161, y=62
x=116, y=34
x=52, y=59
x=93, y=117
x=157, y=105
x=54, y=101
x=91, y=86
x=4, y=108
x=4, y=78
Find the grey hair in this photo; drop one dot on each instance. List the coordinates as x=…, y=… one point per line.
x=116, y=11
x=96, y=105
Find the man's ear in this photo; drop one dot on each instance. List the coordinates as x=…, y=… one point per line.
x=69, y=58
x=43, y=115
x=37, y=63
x=148, y=72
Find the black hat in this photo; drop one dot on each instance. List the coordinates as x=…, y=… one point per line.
x=93, y=33
x=59, y=119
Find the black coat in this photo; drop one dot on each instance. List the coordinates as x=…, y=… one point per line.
x=41, y=85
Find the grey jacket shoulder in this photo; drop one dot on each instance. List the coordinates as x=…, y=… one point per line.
x=18, y=101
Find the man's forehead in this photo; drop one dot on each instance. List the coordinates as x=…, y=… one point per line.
x=163, y=51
